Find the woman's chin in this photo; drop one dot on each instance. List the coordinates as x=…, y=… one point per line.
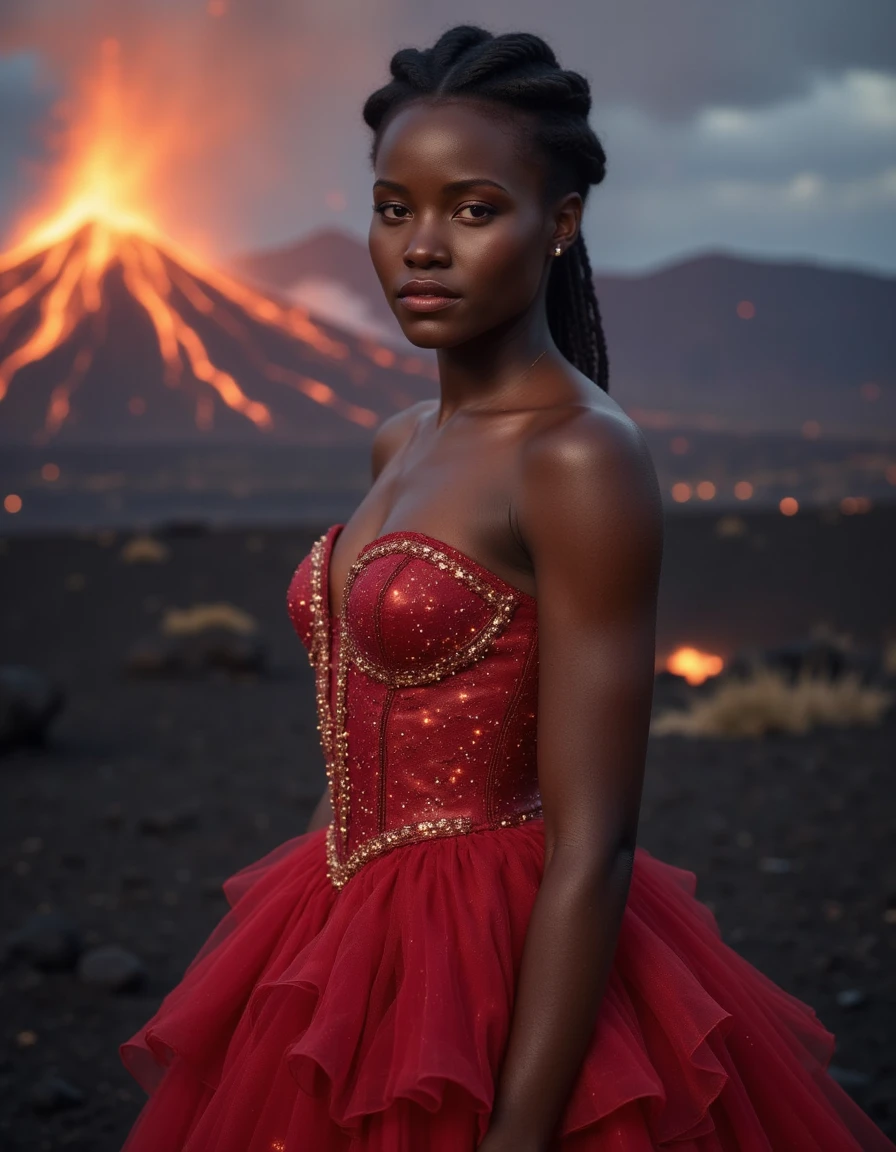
x=420, y=338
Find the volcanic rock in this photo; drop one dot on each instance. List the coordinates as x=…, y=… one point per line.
x=28, y=703
x=52, y=1094
x=112, y=967
x=47, y=940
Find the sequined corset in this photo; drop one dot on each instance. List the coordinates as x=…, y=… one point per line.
x=426, y=694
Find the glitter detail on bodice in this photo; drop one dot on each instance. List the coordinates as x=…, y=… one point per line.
x=426, y=694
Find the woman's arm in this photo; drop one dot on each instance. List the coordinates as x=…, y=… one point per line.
x=591, y=516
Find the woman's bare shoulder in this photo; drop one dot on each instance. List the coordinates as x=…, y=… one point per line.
x=586, y=473
x=395, y=431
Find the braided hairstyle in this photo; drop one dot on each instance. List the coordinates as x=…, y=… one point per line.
x=519, y=72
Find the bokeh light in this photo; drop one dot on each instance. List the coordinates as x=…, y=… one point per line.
x=695, y=666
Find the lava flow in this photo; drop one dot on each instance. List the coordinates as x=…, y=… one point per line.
x=73, y=283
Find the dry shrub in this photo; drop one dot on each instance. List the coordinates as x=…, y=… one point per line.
x=144, y=550
x=767, y=701
x=202, y=617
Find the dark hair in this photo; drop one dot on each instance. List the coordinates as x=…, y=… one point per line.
x=519, y=71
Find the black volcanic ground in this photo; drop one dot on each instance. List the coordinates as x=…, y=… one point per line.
x=240, y=758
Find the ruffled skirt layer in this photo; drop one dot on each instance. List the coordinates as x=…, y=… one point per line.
x=375, y=1018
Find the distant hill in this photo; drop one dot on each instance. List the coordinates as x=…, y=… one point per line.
x=714, y=342
x=812, y=344
x=330, y=272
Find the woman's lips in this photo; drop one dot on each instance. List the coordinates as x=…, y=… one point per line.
x=427, y=303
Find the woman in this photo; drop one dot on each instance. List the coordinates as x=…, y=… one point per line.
x=466, y=949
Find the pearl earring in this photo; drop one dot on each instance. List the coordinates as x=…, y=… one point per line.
x=557, y=250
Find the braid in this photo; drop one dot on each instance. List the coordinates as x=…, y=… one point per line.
x=519, y=71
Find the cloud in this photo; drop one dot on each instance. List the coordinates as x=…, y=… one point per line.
x=812, y=175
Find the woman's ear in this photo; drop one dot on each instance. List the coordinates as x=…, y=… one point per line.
x=567, y=221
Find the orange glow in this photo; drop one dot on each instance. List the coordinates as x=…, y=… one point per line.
x=50, y=472
x=743, y=489
x=811, y=429
x=695, y=666
x=746, y=310
x=891, y=473
x=217, y=7
x=105, y=218
x=706, y=489
x=850, y=505
x=870, y=391
x=13, y=503
x=681, y=492
x=789, y=506
x=680, y=445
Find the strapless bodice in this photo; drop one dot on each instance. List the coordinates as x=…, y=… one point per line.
x=426, y=694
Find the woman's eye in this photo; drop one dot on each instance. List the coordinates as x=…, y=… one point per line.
x=381, y=208
x=484, y=209
x=479, y=211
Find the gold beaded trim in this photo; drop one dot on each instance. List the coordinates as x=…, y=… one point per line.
x=340, y=872
x=503, y=603
x=319, y=656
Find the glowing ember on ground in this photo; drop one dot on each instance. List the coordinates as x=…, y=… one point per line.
x=105, y=221
x=695, y=666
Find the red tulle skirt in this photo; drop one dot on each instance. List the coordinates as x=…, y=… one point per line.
x=375, y=1018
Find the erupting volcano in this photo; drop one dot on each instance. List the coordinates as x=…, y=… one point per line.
x=111, y=331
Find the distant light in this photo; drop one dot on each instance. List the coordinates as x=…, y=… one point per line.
x=695, y=666
x=681, y=492
x=811, y=429
x=851, y=505
x=136, y=405
x=891, y=473
x=743, y=489
x=335, y=201
x=706, y=489
x=13, y=503
x=746, y=309
x=680, y=445
x=383, y=357
x=50, y=472
x=216, y=7
x=870, y=391
x=789, y=506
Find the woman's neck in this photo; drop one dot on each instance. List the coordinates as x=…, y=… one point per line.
x=492, y=371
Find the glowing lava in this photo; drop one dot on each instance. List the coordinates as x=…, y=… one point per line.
x=59, y=275
x=695, y=666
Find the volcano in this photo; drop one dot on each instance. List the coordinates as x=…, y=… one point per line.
x=110, y=335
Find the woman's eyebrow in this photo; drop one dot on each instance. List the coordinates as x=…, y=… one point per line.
x=453, y=186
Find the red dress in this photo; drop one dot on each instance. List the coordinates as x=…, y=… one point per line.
x=358, y=994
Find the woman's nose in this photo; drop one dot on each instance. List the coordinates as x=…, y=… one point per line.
x=426, y=246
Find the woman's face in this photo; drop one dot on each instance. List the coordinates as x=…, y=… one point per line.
x=454, y=202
